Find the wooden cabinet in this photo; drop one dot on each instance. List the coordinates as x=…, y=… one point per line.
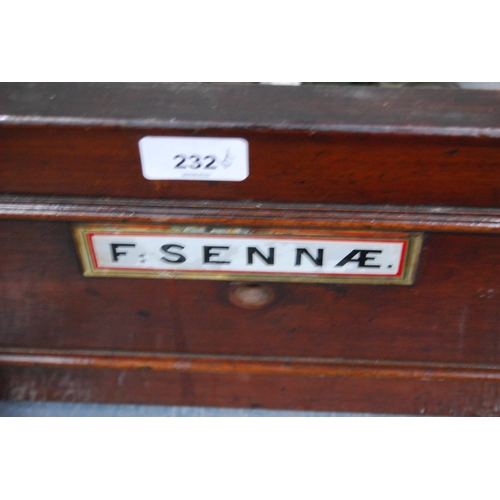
x=357, y=160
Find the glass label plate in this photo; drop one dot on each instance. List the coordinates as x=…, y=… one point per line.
x=247, y=254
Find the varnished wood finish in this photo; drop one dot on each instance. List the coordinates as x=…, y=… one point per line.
x=249, y=365
x=451, y=313
x=407, y=218
x=410, y=111
x=242, y=390
x=320, y=158
x=307, y=145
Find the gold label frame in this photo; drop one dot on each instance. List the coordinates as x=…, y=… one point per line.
x=88, y=238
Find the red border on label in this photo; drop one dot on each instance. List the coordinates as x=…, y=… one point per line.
x=190, y=271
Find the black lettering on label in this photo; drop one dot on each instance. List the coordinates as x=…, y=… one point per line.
x=251, y=251
x=178, y=258
x=114, y=251
x=361, y=260
x=318, y=260
x=208, y=253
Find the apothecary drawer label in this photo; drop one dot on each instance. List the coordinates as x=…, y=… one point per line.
x=239, y=253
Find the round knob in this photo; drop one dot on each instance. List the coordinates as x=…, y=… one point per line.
x=250, y=295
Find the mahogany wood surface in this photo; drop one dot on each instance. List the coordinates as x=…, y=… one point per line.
x=320, y=157
x=248, y=365
x=307, y=145
x=451, y=313
x=243, y=390
x=407, y=218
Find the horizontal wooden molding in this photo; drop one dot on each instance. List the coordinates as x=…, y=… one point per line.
x=315, y=367
x=148, y=123
x=450, y=219
x=310, y=108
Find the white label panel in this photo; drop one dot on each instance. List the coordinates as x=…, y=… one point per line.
x=240, y=254
x=194, y=158
x=248, y=254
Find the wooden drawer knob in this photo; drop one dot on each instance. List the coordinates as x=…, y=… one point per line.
x=250, y=295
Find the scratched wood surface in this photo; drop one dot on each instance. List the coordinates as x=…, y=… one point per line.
x=337, y=158
x=419, y=396
x=450, y=314
x=307, y=145
x=320, y=216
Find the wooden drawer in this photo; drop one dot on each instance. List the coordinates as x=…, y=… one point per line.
x=306, y=144
x=449, y=315
x=321, y=159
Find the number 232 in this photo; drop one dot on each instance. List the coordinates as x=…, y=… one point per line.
x=197, y=163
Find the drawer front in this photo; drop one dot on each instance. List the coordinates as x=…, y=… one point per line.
x=450, y=314
x=306, y=145
x=366, y=160
x=284, y=167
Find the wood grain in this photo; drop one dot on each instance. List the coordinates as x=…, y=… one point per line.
x=314, y=367
x=414, y=111
x=450, y=315
x=333, y=146
x=331, y=158
x=407, y=218
x=243, y=390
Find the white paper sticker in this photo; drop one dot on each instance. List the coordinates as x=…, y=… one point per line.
x=194, y=158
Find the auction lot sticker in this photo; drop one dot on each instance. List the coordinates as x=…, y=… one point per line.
x=194, y=158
